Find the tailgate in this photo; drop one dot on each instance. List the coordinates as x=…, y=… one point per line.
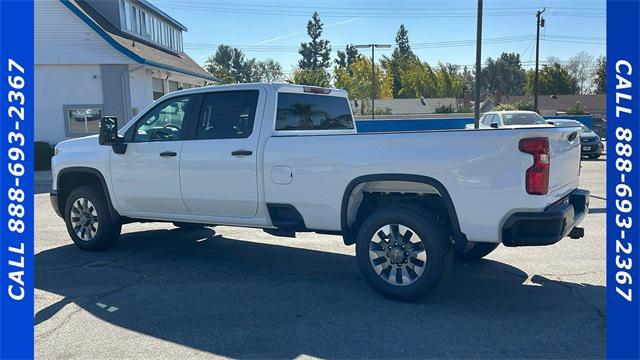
x=564, y=169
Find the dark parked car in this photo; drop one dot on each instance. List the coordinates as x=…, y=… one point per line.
x=590, y=141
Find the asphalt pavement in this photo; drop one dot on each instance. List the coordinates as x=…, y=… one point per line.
x=241, y=293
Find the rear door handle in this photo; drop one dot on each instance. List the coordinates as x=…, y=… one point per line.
x=242, y=153
x=168, y=153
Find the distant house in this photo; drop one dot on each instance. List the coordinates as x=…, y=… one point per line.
x=97, y=57
x=408, y=107
x=553, y=104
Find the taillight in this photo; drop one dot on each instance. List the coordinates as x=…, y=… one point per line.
x=537, y=176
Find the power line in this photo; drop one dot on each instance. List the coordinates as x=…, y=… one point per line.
x=417, y=45
x=341, y=12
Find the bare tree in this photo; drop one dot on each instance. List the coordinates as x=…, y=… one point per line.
x=580, y=67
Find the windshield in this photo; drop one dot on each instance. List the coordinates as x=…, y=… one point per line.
x=523, y=119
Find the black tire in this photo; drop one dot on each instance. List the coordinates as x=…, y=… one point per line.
x=107, y=232
x=188, y=226
x=594, y=156
x=475, y=251
x=436, y=244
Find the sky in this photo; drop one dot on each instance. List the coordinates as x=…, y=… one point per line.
x=439, y=31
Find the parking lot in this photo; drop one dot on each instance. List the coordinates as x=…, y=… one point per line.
x=241, y=293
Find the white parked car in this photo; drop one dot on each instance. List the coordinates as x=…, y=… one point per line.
x=288, y=158
x=510, y=119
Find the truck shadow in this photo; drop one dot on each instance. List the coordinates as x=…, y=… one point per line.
x=242, y=299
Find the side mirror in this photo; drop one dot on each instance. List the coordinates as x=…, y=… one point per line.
x=108, y=130
x=109, y=135
x=494, y=125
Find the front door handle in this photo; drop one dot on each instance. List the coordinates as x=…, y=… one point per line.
x=168, y=153
x=242, y=153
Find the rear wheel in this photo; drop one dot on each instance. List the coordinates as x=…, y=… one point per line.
x=403, y=252
x=594, y=156
x=88, y=220
x=475, y=251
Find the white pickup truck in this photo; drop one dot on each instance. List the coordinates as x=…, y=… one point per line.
x=288, y=158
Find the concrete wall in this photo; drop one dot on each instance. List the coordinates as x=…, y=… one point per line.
x=59, y=85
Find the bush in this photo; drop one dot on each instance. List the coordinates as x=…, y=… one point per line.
x=43, y=152
x=577, y=109
x=518, y=105
x=523, y=105
x=505, y=107
x=465, y=109
x=379, y=111
x=443, y=109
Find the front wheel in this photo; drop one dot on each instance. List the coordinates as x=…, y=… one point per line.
x=403, y=252
x=88, y=221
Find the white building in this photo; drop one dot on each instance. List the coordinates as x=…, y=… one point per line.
x=104, y=57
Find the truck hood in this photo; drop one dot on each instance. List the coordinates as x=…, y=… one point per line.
x=83, y=143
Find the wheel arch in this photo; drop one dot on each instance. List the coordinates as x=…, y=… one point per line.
x=83, y=176
x=349, y=235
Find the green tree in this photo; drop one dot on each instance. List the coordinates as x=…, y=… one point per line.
x=400, y=61
x=230, y=66
x=316, y=57
x=315, y=53
x=600, y=76
x=267, y=70
x=504, y=74
x=402, y=43
x=346, y=58
x=319, y=77
x=450, y=80
x=358, y=82
x=418, y=79
x=553, y=80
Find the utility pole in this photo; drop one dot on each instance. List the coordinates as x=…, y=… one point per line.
x=373, y=72
x=476, y=106
x=539, y=24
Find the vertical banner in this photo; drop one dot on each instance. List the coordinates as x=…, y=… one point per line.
x=623, y=183
x=16, y=179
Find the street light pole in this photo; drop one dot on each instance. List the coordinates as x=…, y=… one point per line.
x=539, y=24
x=373, y=72
x=476, y=105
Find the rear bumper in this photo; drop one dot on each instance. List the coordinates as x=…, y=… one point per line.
x=53, y=197
x=549, y=226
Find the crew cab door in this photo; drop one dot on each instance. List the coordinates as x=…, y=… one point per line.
x=218, y=168
x=146, y=178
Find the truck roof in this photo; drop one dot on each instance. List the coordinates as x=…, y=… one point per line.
x=284, y=87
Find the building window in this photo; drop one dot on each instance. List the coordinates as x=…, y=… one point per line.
x=173, y=86
x=82, y=119
x=158, y=88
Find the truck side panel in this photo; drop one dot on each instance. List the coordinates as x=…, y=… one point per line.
x=483, y=171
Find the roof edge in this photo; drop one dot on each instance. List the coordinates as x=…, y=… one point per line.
x=133, y=56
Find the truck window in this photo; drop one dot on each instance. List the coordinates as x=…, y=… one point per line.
x=312, y=112
x=164, y=122
x=523, y=119
x=227, y=115
x=488, y=119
